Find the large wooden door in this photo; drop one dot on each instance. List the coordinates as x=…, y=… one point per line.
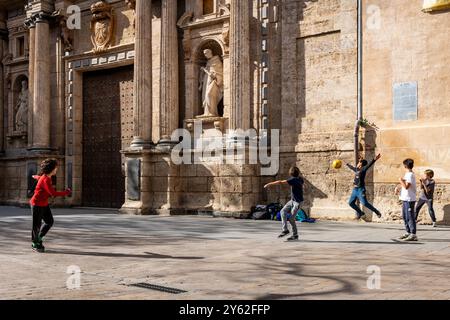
x=107, y=129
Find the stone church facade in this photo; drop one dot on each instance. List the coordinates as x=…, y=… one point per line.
x=102, y=85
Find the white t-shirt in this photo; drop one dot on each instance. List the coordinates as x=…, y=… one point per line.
x=410, y=193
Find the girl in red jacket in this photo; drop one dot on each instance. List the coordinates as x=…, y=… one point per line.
x=39, y=203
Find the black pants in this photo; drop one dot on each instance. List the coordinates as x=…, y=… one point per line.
x=39, y=214
x=429, y=203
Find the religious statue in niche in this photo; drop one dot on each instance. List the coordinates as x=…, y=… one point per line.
x=211, y=84
x=21, y=107
x=102, y=26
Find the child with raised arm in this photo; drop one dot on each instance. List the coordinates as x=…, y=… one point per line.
x=359, y=187
x=292, y=207
x=39, y=203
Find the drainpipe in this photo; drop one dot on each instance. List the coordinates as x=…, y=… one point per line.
x=360, y=89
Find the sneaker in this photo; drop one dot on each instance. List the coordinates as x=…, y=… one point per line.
x=412, y=237
x=293, y=238
x=403, y=237
x=38, y=247
x=283, y=234
x=359, y=218
x=378, y=215
x=434, y=225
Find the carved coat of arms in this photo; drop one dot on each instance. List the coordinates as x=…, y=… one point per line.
x=102, y=26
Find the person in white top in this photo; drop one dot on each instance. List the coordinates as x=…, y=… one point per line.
x=408, y=196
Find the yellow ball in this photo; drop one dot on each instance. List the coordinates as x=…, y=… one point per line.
x=337, y=164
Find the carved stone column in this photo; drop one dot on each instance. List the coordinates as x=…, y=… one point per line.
x=3, y=38
x=31, y=59
x=41, y=87
x=143, y=76
x=169, y=111
x=240, y=64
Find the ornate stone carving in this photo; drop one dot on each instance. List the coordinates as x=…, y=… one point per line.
x=21, y=114
x=42, y=17
x=29, y=23
x=7, y=58
x=185, y=19
x=132, y=5
x=66, y=35
x=226, y=37
x=102, y=26
x=211, y=84
x=224, y=9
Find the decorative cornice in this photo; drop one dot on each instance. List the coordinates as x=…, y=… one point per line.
x=45, y=17
x=39, y=17
x=29, y=23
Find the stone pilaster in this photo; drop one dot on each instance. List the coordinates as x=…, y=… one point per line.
x=240, y=64
x=138, y=198
x=289, y=85
x=143, y=76
x=3, y=38
x=169, y=110
x=41, y=88
x=30, y=23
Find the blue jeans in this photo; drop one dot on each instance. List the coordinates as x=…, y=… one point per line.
x=409, y=216
x=359, y=193
x=290, y=208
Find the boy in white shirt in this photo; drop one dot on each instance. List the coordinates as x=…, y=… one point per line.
x=408, y=197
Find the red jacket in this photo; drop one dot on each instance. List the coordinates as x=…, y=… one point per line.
x=45, y=190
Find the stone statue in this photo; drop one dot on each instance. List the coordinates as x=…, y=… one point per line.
x=21, y=119
x=132, y=5
x=66, y=36
x=211, y=84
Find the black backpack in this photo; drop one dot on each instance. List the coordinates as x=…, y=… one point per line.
x=273, y=210
x=262, y=212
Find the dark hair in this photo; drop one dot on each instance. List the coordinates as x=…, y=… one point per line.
x=294, y=172
x=48, y=165
x=429, y=173
x=363, y=162
x=409, y=163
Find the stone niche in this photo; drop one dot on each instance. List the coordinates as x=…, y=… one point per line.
x=15, y=62
x=206, y=31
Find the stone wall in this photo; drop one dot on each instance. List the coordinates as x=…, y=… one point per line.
x=408, y=45
x=318, y=106
x=403, y=45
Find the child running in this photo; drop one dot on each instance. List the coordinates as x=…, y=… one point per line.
x=427, y=185
x=39, y=203
x=292, y=207
x=359, y=190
